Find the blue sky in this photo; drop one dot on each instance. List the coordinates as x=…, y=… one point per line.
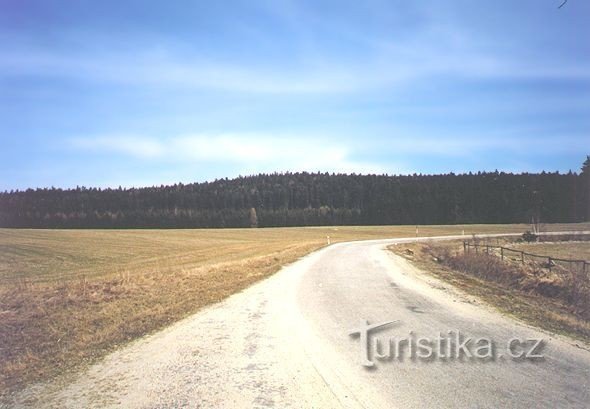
x=136, y=93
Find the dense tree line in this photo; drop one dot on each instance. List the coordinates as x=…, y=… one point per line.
x=310, y=199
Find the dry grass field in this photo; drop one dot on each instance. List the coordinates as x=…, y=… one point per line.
x=566, y=250
x=68, y=297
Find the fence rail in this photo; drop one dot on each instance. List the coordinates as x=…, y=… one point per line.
x=505, y=252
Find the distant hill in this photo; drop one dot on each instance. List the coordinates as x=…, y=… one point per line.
x=309, y=199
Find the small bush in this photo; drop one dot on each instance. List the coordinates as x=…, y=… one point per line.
x=529, y=237
x=485, y=266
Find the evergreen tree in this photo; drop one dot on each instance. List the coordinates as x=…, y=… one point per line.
x=298, y=199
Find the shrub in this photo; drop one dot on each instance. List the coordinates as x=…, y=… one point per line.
x=529, y=237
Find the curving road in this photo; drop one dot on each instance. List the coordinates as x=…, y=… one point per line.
x=285, y=342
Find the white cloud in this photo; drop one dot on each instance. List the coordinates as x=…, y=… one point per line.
x=261, y=152
x=250, y=152
x=127, y=145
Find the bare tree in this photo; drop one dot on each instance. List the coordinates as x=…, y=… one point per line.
x=253, y=218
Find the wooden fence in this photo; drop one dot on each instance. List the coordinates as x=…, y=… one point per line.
x=522, y=256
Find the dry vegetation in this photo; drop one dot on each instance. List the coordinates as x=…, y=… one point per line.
x=70, y=296
x=67, y=297
x=555, y=299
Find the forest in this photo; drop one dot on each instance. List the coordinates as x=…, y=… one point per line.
x=310, y=199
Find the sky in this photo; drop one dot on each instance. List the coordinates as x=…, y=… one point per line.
x=142, y=93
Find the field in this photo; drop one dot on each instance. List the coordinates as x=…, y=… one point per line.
x=574, y=250
x=66, y=255
x=68, y=297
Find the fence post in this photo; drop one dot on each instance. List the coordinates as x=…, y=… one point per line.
x=522, y=256
x=502, y=252
x=549, y=262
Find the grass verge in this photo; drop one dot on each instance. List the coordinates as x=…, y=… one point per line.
x=538, y=297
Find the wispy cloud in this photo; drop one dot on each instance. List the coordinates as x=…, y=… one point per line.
x=146, y=69
x=313, y=63
x=308, y=149
x=127, y=145
x=387, y=64
x=252, y=152
x=481, y=144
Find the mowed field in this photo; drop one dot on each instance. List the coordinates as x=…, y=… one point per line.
x=68, y=297
x=565, y=250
